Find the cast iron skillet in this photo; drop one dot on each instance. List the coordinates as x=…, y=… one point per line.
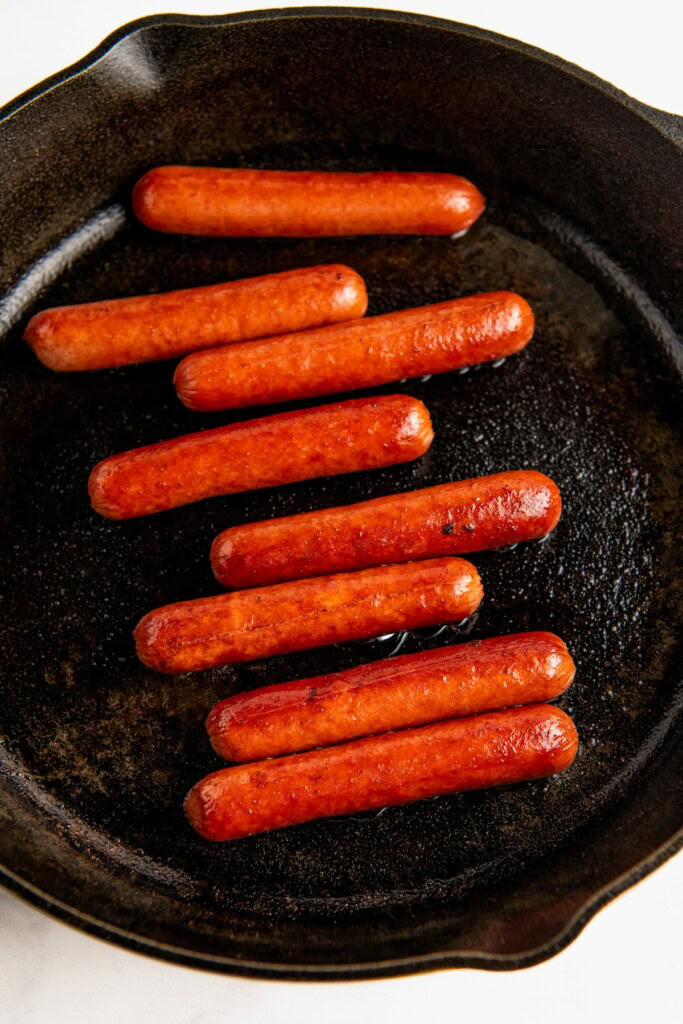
x=97, y=752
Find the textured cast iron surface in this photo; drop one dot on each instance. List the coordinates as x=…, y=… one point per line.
x=96, y=751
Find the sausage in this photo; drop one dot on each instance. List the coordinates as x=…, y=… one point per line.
x=357, y=354
x=96, y=335
x=525, y=668
x=304, y=204
x=363, y=433
x=450, y=519
x=493, y=749
x=251, y=624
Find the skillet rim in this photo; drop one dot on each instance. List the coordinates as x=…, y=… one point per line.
x=389, y=968
x=669, y=124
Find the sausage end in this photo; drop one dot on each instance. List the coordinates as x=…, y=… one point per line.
x=563, y=740
x=352, y=295
x=554, y=498
x=143, y=647
x=541, y=496
x=147, y=645
x=526, y=323
x=554, y=663
x=39, y=334
x=97, y=489
x=418, y=432
x=467, y=589
x=222, y=550
x=195, y=809
x=565, y=671
x=192, y=396
x=145, y=199
x=476, y=593
x=476, y=204
x=218, y=730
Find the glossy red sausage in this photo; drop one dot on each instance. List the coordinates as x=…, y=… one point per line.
x=525, y=668
x=148, y=327
x=295, y=616
x=304, y=204
x=450, y=519
x=396, y=768
x=363, y=433
x=357, y=354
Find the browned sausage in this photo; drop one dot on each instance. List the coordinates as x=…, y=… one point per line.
x=395, y=768
x=450, y=519
x=363, y=433
x=357, y=354
x=525, y=668
x=148, y=327
x=258, y=623
x=304, y=204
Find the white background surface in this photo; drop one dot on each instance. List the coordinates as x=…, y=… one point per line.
x=625, y=966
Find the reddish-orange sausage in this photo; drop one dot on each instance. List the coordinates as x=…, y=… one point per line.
x=396, y=768
x=525, y=668
x=148, y=327
x=357, y=354
x=363, y=433
x=451, y=519
x=258, y=623
x=304, y=204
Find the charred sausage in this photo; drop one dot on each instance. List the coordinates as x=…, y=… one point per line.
x=396, y=768
x=525, y=668
x=295, y=616
x=450, y=519
x=304, y=204
x=143, y=328
x=359, y=434
x=357, y=354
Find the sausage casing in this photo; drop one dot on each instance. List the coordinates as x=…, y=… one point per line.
x=449, y=519
x=396, y=768
x=357, y=354
x=304, y=204
x=483, y=675
x=250, y=624
x=363, y=433
x=143, y=328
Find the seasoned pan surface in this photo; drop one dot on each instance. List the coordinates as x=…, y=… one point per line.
x=97, y=752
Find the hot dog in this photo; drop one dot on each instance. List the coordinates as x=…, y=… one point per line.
x=304, y=204
x=396, y=768
x=525, y=668
x=359, y=434
x=357, y=354
x=450, y=519
x=295, y=616
x=148, y=327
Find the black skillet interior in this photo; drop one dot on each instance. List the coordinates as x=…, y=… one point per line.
x=97, y=752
